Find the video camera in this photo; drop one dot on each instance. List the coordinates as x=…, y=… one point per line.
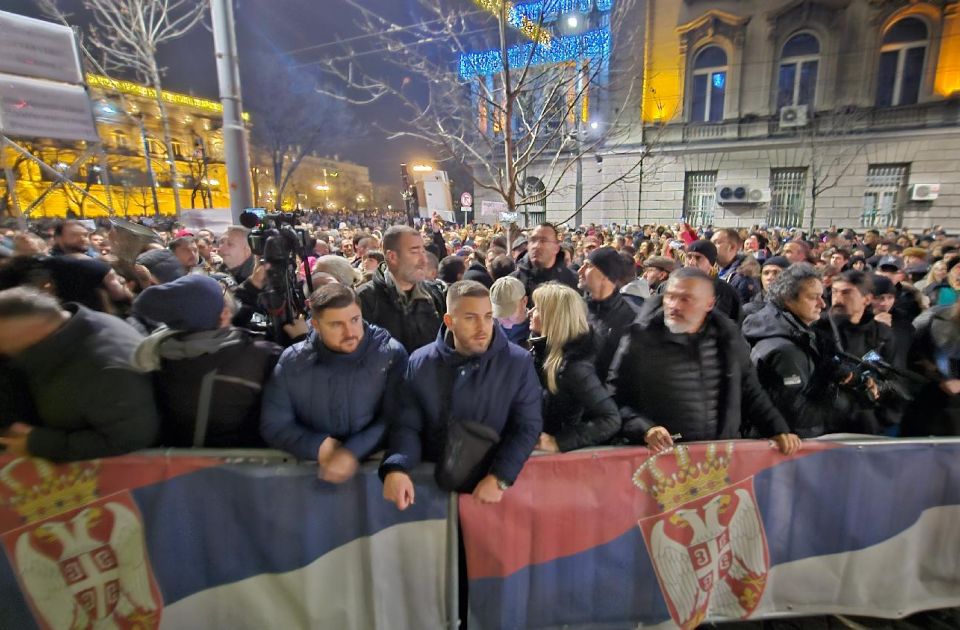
x=871, y=366
x=277, y=241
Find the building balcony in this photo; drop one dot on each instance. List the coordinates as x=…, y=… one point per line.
x=850, y=121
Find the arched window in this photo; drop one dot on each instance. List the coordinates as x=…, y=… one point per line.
x=709, y=84
x=799, y=63
x=902, y=57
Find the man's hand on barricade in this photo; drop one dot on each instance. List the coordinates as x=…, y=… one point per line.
x=658, y=439
x=548, y=443
x=788, y=443
x=340, y=466
x=488, y=490
x=951, y=386
x=14, y=440
x=326, y=450
x=398, y=489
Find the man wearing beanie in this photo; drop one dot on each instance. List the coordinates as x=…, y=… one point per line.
x=157, y=266
x=608, y=312
x=702, y=255
x=208, y=375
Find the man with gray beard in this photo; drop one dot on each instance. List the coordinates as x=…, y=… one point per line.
x=683, y=370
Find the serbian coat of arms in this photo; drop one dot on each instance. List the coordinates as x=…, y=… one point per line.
x=707, y=544
x=80, y=560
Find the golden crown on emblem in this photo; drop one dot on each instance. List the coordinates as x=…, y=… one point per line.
x=47, y=489
x=690, y=480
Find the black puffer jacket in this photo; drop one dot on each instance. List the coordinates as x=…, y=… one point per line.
x=610, y=320
x=659, y=380
x=582, y=413
x=786, y=356
x=82, y=394
x=532, y=277
x=413, y=319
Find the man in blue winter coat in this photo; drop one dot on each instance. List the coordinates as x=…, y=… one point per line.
x=492, y=382
x=330, y=395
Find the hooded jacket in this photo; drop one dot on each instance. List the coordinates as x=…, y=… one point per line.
x=582, y=413
x=209, y=385
x=498, y=388
x=412, y=319
x=659, y=380
x=315, y=393
x=786, y=356
x=532, y=276
x=88, y=400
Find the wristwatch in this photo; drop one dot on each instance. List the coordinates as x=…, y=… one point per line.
x=503, y=485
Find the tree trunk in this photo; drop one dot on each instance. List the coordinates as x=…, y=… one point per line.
x=167, y=138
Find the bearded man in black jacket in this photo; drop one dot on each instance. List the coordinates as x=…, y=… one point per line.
x=685, y=370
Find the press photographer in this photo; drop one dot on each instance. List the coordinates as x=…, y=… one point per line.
x=869, y=397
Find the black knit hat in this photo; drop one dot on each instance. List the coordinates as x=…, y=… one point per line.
x=777, y=261
x=705, y=248
x=610, y=263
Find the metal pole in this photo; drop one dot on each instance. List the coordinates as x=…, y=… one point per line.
x=453, y=562
x=12, y=186
x=236, y=149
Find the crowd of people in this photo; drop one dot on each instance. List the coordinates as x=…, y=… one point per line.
x=472, y=346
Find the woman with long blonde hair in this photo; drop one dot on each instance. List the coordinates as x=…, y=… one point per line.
x=577, y=409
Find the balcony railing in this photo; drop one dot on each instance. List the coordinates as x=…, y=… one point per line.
x=850, y=121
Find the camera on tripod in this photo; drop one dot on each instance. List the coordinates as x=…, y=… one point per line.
x=277, y=240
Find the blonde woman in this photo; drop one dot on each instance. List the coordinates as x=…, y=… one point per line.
x=577, y=409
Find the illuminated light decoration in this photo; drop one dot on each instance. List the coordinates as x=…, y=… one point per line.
x=135, y=89
x=517, y=20
x=547, y=11
x=590, y=45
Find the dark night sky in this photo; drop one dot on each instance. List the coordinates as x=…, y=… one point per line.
x=284, y=25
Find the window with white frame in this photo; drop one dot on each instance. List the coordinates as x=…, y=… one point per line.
x=709, y=85
x=881, y=199
x=699, y=197
x=902, y=57
x=799, y=64
x=787, y=192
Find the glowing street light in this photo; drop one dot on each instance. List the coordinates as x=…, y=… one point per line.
x=594, y=125
x=322, y=187
x=422, y=168
x=573, y=21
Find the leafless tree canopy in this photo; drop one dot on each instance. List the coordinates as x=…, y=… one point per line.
x=127, y=34
x=292, y=116
x=519, y=111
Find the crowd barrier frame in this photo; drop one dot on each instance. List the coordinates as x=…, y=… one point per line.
x=268, y=457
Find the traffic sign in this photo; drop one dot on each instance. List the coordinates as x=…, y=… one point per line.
x=466, y=200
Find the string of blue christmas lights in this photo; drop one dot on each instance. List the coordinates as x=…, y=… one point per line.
x=551, y=10
x=589, y=45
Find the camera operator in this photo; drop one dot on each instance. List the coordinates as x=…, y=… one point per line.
x=270, y=297
x=867, y=401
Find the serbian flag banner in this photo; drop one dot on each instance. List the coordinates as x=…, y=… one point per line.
x=719, y=531
x=145, y=541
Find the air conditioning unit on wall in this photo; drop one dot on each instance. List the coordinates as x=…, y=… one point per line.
x=924, y=192
x=742, y=194
x=793, y=116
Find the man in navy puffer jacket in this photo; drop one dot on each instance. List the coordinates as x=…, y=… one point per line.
x=494, y=382
x=330, y=395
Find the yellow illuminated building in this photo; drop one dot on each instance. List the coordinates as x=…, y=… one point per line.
x=130, y=129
